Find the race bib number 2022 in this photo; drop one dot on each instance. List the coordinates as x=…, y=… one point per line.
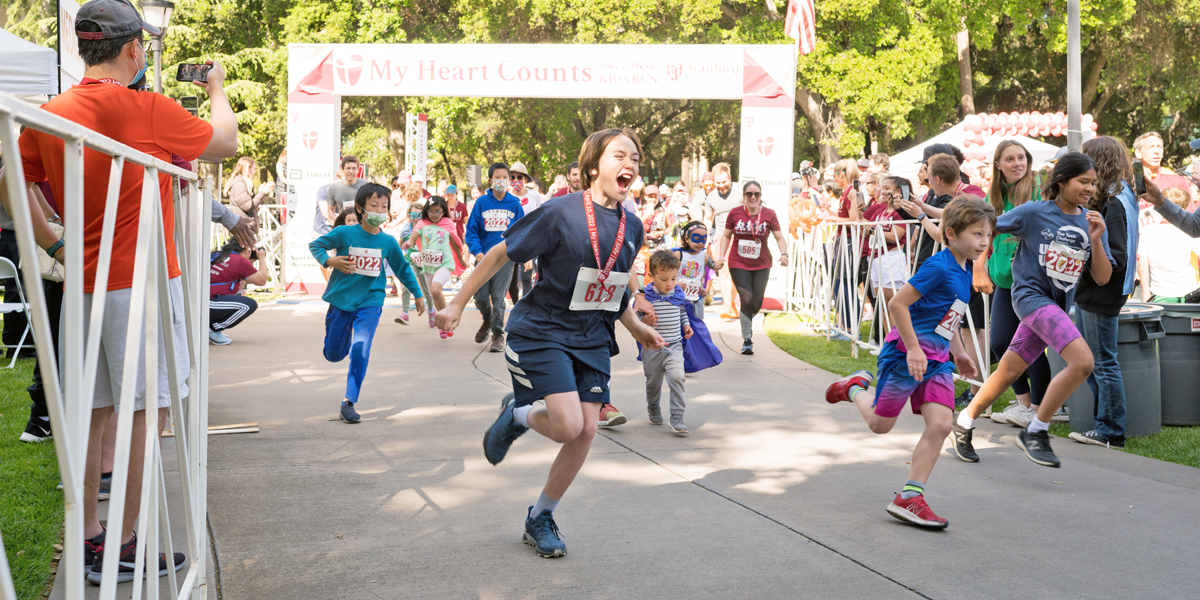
x=367, y=261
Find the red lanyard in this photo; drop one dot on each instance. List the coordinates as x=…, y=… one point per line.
x=754, y=224
x=590, y=211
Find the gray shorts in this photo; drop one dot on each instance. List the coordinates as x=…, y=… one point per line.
x=114, y=332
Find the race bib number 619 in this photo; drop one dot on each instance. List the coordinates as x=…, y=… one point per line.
x=590, y=294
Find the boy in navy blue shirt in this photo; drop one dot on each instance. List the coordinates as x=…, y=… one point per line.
x=561, y=335
x=493, y=214
x=914, y=363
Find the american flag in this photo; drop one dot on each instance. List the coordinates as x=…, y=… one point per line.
x=801, y=24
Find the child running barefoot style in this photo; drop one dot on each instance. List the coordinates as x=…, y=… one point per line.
x=914, y=362
x=1059, y=239
x=561, y=334
x=356, y=286
x=436, y=237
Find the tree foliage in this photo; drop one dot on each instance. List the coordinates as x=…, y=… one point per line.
x=884, y=71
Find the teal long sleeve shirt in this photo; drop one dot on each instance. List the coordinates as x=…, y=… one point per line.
x=366, y=286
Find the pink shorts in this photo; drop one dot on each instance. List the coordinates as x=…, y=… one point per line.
x=1045, y=327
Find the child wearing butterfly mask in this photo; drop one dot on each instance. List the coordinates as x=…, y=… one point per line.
x=694, y=261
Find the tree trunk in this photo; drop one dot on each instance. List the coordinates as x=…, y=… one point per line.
x=824, y=120
x=393, y=121
x=1092, y=84
x=966, y=89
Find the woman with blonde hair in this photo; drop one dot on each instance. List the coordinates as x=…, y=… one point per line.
x=1013, y=184
x=241, y=201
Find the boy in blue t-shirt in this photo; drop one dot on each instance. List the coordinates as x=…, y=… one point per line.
x=356, y=286
x=914, y=363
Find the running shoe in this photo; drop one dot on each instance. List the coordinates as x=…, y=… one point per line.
x=445, y=334
x=839, y=336
x=1023, y=415
x=839, y=391
x=481, y=336
x=501, y=435
x=730, y=314
x=542, y=533
x=1094, y=438
x=402, y=319
x=962, y=447
x=37, y=430
x=677, y=424
x=917, y=512
x=219, y=338
x=91, y=547
x=610, y=416
x=497, y=343
x=964, y=399
x=747, y=347
x=125, y=563
x=348, y=414
x=1037, y=447
x=654, y=412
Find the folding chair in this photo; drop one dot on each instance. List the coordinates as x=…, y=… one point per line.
x=9, y=270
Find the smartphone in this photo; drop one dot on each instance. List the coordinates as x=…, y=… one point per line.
x=858, y=187
x=1139, y=177
x=905, y=191
x=193, y=72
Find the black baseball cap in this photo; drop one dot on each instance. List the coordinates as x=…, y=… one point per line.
x=116, y=18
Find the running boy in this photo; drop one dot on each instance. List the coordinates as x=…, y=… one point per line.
x=561, y=335
x=673, y=325
x=357, y=284
x=1059, y=239
x=914, y=361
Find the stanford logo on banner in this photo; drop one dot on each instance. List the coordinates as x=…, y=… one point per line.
x=350, y=70
x=765, y=145
x=674, y=71
x=310, y=140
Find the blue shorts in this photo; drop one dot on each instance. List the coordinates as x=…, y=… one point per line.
x=540, y=368
x=895, y=386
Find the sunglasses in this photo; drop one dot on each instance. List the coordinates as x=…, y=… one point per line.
x=698, y=238
x=520, y=178
x=752, y=194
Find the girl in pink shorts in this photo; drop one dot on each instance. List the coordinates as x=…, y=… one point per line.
x=1058, y=240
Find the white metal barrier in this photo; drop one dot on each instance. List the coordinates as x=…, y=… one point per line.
x=69, y=387
x=833, y=252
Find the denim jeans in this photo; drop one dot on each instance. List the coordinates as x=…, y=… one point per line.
x=490, y=298
x=1100, y=333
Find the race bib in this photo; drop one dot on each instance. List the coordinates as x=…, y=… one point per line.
x=953, y=319
x=1063, y=263
x=367, y=261
x=495, y=220
x=691, y=290
x=590, y=295
x=749, y=248
x=427, y=258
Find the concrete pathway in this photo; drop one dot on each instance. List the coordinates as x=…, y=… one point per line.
x=774, y=494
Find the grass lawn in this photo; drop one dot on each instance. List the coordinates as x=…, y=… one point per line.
x=1175, y=444
x=31, y=508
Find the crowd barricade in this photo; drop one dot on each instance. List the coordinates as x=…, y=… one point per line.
x=830, y=283
x=69, y=385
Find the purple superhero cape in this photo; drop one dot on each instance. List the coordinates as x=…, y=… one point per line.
x=699, y=352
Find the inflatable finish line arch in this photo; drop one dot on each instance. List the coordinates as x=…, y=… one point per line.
x=762, y=77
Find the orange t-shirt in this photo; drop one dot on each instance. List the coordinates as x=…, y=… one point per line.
x=145, y=121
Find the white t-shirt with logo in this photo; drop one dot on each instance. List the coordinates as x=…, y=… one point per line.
x=530, y=201
x=1168, y=253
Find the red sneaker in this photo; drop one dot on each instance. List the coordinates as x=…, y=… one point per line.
x=916, y=511
x=839, y=391
x=610, y=416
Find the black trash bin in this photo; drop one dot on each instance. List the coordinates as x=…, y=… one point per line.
x=1139, y=331
x=1179, y=360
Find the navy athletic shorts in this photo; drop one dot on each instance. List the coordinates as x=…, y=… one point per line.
x=540, y=368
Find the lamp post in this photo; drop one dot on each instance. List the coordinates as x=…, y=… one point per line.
x=158, y=14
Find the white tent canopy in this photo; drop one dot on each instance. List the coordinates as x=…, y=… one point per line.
x=27, y=69
x=906, y=164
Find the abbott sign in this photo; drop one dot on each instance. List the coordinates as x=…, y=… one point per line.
x=762, y=77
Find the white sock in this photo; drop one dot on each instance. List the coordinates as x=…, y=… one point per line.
x=1037, y=425
x=521, y=415
x=965, y=421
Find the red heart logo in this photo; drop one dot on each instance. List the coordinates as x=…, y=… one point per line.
x=350, y=70
x=310, y=140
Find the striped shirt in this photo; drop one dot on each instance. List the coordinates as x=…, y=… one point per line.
x=670, y=321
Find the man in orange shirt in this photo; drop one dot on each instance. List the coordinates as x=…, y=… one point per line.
x=113, y=49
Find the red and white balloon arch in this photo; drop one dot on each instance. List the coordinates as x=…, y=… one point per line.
x=977, y=127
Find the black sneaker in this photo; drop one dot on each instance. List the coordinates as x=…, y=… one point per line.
x=125, y=563
x=481, y=336
x=1094, y=438
x=964, y=399
x=37, y=430
x=747, y=347
x=91, y=547
x=348, y=414
x=1037, y=447
x=501, y=435
x=962, y=448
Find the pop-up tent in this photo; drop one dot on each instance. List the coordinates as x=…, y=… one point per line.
x=27, y=69
x=906, y=164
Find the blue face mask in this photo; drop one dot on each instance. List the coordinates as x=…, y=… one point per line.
x=142, y=72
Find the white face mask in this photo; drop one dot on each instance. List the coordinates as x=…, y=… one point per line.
x=500, y=185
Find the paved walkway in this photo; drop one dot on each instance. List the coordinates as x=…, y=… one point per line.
x=774, y=494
